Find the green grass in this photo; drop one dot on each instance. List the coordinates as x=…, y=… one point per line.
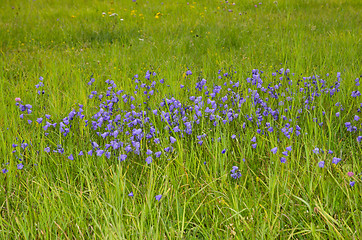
x=53, y=197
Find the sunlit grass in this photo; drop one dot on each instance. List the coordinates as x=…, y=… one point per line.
x=68, y=43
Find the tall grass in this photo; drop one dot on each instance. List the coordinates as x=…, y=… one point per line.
x=68, y=43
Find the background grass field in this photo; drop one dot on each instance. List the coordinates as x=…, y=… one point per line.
x=67, y=42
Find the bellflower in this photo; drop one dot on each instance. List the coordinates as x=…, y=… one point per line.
x=321, y=164
x=172, y=139
x=149, y=160
x=99, y=152
x=122, y=157
x=336, y=160
x=274, y=150
x=20, y=166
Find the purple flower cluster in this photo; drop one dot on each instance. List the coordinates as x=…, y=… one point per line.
x=134, y=124
x=235, y=173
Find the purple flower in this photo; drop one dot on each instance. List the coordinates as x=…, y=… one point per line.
x=330, y=151
x=80, y=153
x=90, y=152
x=24, y=145
x=321, y=164
x=285, y=153
x=5, y=170
x=234, y=168
x=128, y=149
x=39, y=120
x=130, y=194
x=351, y=183
x=158, y=197
x=337, y=114
x=359, y=138
x=47, y=149
x=149, y=152
x=355, y=94
x=100, y=152
x=20, y=166
x=71, y=157
x=223, y=151
x=253, y=145
x=149, y=160
x=356, y=118
x=283, y=160
x=122, y=157
x=336, y=160
x=94, y=145
x=316, y=150
x=289, y=148
x=274, y=150
x=253, y=139
x=235, y=173
x=172, y=139
x=158, y=154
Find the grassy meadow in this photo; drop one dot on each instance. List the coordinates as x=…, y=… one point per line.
x=180, y=119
